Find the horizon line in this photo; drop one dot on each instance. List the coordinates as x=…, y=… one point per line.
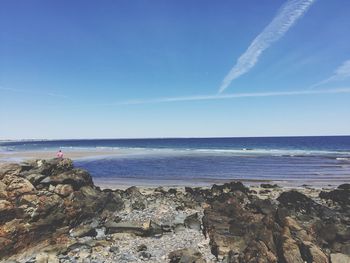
x=175, y=137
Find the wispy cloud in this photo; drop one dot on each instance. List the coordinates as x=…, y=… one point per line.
x=230, y=96
x=341, y=73
x=285, y=19
x=50, y=94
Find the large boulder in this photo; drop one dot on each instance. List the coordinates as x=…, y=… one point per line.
x=42, y=197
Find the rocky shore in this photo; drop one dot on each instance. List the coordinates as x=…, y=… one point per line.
x=52, y=212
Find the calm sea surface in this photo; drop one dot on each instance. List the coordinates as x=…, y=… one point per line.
x=288, y=160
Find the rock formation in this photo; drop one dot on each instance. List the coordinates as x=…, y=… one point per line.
x=52, y=212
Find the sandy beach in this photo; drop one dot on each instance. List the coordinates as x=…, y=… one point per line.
x=31, y=155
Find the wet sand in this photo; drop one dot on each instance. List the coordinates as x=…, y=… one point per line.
x=30, y=155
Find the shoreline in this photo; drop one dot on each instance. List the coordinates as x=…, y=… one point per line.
x=152, y=182
x=54, y=212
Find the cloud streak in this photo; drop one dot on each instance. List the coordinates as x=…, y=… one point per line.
x=286, y=17
x=50, y=94
x=231, y=96
x=341, y=73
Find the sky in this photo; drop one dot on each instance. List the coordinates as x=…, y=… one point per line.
x=184, y=68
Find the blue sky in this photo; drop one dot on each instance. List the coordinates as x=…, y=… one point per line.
x=117, y=69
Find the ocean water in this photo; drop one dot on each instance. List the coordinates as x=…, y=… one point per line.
x=317, y=161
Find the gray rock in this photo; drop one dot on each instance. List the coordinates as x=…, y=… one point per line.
x=193, y=222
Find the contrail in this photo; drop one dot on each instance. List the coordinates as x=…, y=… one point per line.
x=285, y=19
x=231, y=96
x=341, y=73
x=50, y=94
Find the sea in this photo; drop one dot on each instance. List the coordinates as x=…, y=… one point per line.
x=295, y=161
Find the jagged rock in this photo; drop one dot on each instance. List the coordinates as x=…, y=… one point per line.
x=35, y=178
x=290, y=250
x=312, y=254
x=257, y=250
x=9, y=168
x=32, y=213
x=186, y=255
x=193, y=222
x=19, y=186
x=77, y=178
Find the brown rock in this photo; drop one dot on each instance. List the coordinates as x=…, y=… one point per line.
x=18, y=186
x=290, y=251
x=186, y=255
x=313, y=254
x=9, y=168
x=63, y=189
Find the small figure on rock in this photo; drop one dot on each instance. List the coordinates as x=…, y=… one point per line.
x=59, y=154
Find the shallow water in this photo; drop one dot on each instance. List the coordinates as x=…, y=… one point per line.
x=288, y=160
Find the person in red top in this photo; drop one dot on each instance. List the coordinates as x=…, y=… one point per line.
x=59, y=154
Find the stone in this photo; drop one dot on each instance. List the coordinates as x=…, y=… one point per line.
x=19, y=186
x=341, y=196
x=35, y=178
x=311, y=253
x=114, y=249
x=186, y=255
x=82, y=231
x=125, y=227
x=269, y=186
x=193, y=222
x=145, y=255
x=141, y=247
x=339, y=258
x=290, y=251
x=9, y=168
x=63, y=189
x=344, y=186
x=3, y=192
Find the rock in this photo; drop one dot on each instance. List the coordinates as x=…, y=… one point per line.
x=114, y=249
x=344, y=186
x=19, y=186
x=341, y=196
x=35, y=178
x=141, y=247
x=339, y=258
x=9, y=168
x=255, y=250
x=63, y=189
x=60, y=197
x=82, y=231
x=269, y=186
x=311, y=253
x=193, y=222
x=77, y=178
x=186, y=255
x=172, y=191
x=7, y=211
x=3, y=192
x=125, y=227
x=290, y=251
x=145, y=255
